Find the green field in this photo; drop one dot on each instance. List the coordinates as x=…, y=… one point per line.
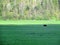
x=27, y=22
x=29, y=32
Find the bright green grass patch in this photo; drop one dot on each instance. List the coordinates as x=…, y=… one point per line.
x=26, y=22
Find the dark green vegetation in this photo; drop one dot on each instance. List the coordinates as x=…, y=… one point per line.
x=30, y=9
x=30, y=34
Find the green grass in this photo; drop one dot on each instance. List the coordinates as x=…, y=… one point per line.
x=26, y=22
x=30, y=34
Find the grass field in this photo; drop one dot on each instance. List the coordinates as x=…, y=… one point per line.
x=27, y=22
x=29, y=32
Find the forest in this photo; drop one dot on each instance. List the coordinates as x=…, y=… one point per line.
x=29, y=9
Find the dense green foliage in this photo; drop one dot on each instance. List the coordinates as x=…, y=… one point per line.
x=30, y=9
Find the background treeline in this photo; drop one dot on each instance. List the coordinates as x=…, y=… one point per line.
x=30, y=9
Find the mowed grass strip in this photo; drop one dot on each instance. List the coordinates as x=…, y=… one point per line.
x=27, y=22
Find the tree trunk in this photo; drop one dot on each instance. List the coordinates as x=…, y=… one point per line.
x=4, y=12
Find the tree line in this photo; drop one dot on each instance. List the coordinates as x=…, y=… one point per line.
x=30, y=9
